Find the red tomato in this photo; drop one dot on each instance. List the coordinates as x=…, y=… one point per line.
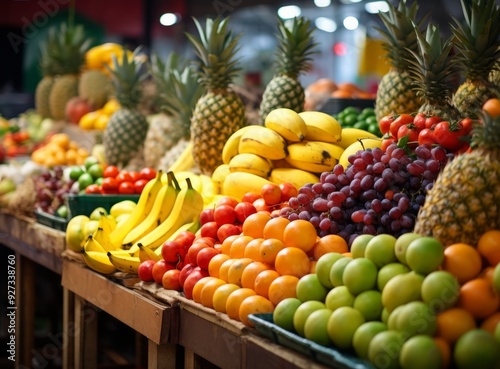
x=92, y=189
x=147, y=173
x=467, y=123
x=426, y=136
x=401, y=120
x=124, y=176
x=430, y=122
x=386, y=142
x=385, y=123
x=109, y=185
x=408, y=130
x=126, y=187
x=139, y=185
x=135, y=175
x=419, y=121
x=111, y=171
x=449, y=138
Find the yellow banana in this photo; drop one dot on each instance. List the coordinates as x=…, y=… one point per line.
x=313, y=156
x=351, y=135
x=162, y=207
x=264, y=142
x=321, y=127
x=250, y=163
x=193, y=226
x=297, y=177
x=288, y=123
x=103, y=232
x=239, y=183
x=143, y=208
x=145, y=253
x=185, y=161
x=91, y=244
x=181, y=179
x=230, y=148
x=361, y=144
x=218, y=176
x=98, y=261
x=124, y=263
x=188, y=206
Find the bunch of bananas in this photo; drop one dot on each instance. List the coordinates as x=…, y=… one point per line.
x=167, y=206
x=100, y=56
x=290, y=147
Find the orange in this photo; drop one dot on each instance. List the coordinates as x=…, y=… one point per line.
x=215, y=263
x=263, y=281
x=254, y=305
x=224, y=269
x=252, y=249
x=237, y=248
x=282, y=287
x=479, y=297
x=312, y=268
x=208, y=290
x=234, y=301
x=254, y=224
x=492, y=107
x=488, y=273
x=445, y=349
x=250, y=273
x=300, y=233
x=236, y=270
x=463, y=261
x=275, y=227
x=489, y=246
x=490, y=323
x=329, y=243
x=292, y=261
x=226, y=244
x=269, y=249
x=453, y=323
x=220, y=296
x=199, y=286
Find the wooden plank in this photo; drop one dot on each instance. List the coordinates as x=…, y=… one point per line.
x=68, y=329
x=85, y=335
x=25, y=302
x=124, y=304
x=162, y=356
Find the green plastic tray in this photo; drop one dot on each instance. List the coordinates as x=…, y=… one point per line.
x=50, y=220
x=87, y=203
x=321, y=354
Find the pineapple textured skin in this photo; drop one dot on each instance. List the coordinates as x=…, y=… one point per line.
x=64, y=88
x=395, y=94
x=42, y=96
x=283, y=92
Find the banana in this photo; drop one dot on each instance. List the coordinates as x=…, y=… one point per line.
x=288, y=123
x=321, y=127
x=124, y=263
x=162, y=207
x=193, y=226
x=145, y=253
x=188, y=206
x=98, y=261
x=238, y=184
x=297, y=177
x=351, y=135
x=195, y=179
x=91, y=244
x=264, y=142
x=143, y=208
x=218, y=176
x=250, y=163
x=230, y=148
x=313, y=156
x=185, y=161
x=361, y=144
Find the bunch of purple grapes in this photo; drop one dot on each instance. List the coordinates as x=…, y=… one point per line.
x=51, y=189
x=380, y=192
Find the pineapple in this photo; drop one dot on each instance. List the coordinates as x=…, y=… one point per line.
x=465, y=199
x=477, y=43
x=295, y=47
x=126, y=129
x=395, y=94
x=48, y=68
x=220, y=111
x=95, y=87
x=169, y=132
x=432, y=73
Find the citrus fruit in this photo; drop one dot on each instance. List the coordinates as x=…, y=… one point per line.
x=323, y=266
x=208, y=291
x=358, y=245
x=363, y=336
x=380, y=250
x=310, y=288
x=263, y=281
x=236, y=269
x=220, y=296
x=479, y=297
x=416, y=318
x=453, y=323
x=420, y=352
x=360, y=275
x=234, y=301
x=369, y=304
x=488, y=246
x=402, y=244
x=339, y=296
x=342, y=325
x=300, y=233
x=401, y=289
x=292, y=261
x=463, y=261
x=337, y=271
x=285, y=286
x=327, y=244
x=424, y=255
x=254, y=304
x=302, y=312
x=315, y=327
x=477, y=349
x=284, y=311
x=440, y=290
x=385, y=349
x=250, y=273
x=388, y=271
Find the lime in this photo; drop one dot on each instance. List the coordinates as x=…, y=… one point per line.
x=85, y=180
x=425, y=255
x=302, y=312
x=337, y=270
x=363, y=336
x=75, y=172
x=385, y=348
x=369, y=304
x=420, y=352
x=388, y=271
x=359, y=244
x=89, y=161
x=62, y=211
x=338, y=297
x=342, y=325
x=284, y=311
x=315, y=327
x=477, y=349
x=360, y=275
x=351, y=119
x=95, y=170
x=380, y=250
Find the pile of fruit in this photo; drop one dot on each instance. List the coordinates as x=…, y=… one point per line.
x=59, y=149
x=364, y=119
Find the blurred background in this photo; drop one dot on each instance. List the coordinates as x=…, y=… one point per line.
x=346, y=30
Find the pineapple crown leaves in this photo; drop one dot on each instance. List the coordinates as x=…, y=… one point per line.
x=216, y=48
x=398, y=33
x=295, y=47
x=64, y=50
x=476, y=40
x=431, y=67
x=127, y=77
x=486, y=132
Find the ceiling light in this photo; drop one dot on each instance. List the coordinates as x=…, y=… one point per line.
x=322, y=3
x=169, y=19
x=325, y=24
x=375, y=7
x=289, y=11
x=351, y=23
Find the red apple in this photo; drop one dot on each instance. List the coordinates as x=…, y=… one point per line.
x=170, y=280
x=210, y=241
x=173, y=251
x=186, y=238
x=251, y=197
x=76, y=108
x=271, y=193
x=206, y=215
x=204, y=256
x=195, y=249
x=209, y=229
x=227, y=200
x=191, y=280
x=227, y=230
x=145, y=270
x=243, y=210
x=261, y=205
x=288, y=191
x=185, y=271
x=225, y=214
x=159, y=268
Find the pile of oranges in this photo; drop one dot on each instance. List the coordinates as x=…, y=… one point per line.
x=59, y=149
